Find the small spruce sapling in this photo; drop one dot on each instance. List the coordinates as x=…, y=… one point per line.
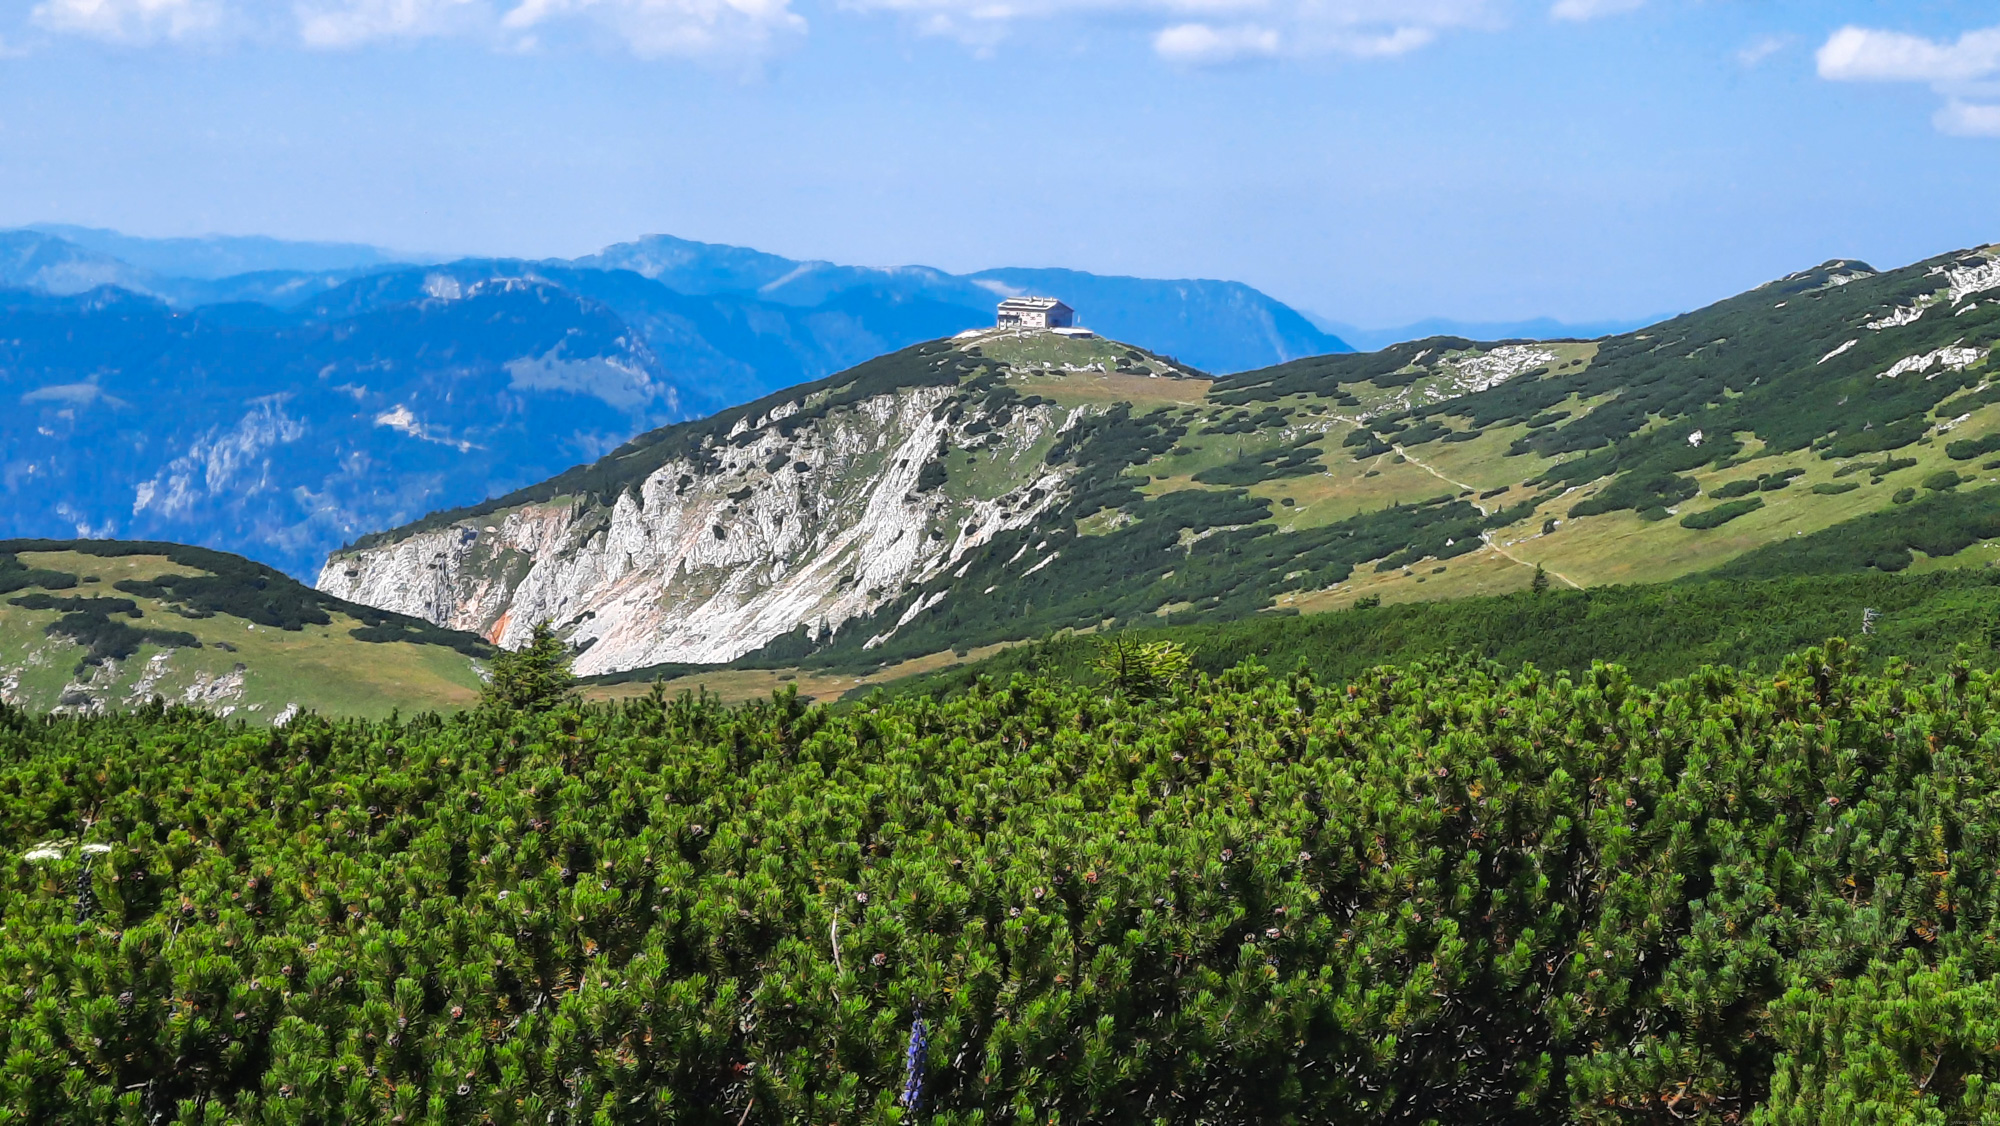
x=1541, y=580
x=535, y=677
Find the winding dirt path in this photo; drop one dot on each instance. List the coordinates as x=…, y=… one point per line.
x=1485, y=535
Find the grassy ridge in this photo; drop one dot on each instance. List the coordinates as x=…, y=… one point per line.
x=94, y=624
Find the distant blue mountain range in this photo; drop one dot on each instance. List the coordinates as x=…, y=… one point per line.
x=277, y=398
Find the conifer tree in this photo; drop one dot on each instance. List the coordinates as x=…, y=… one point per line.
x=535, y=677
x=1541, y=580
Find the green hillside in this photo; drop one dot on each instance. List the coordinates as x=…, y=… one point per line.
x=89, y=625
x=1446, y=467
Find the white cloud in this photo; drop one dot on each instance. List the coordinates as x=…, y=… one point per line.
x=1861, y=54
x=1961, y=70
x=1761, y=48
x=652, y=28
x=1592, y=9
x=351, y=23
x=1202, y=44
x=1188, y=32
x=648, y=28
x=131, y=21
x=1968, y=119
x=1206, y=32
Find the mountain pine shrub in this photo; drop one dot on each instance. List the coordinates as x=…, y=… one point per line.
x=1437, y=892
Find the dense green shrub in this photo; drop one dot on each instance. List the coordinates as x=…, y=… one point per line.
x=16, y=575
x=1721, y=514
x=1943, y=479
x=1835, y=488
x=1965, y=449
x=1657, y=631
x=1943, y=523
x=1440, y=892
x=1631, y=490
x=88, y=622
x=1730, y=490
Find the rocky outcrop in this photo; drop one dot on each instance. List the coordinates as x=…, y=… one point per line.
x=751, y=534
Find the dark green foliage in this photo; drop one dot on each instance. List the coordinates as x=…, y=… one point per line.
x=240, y=588
x=1893, y=436
x=932, y=476
x=1721, y=514
x=282, y=604
x=1427, y=431
x=88, y=622
x=1442, y=892
x=1772, y=482
x=1903, y=496
x=1141, y=668
x=535, y=677
x=1834, y=488
x=1243, y=422
x=1634, y=490
x=16, y=575
x=1730, y=490
x=96, y=606
x=1941, y=524
x=1658, y=631
x=1299, y=460
x=1965, y=449
x=1943, y=479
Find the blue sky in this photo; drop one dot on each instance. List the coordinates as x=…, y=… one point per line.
x=1374, y=161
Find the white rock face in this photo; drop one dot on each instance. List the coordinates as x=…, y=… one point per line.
x=737, y=543
x=1961, y=282
x=1952, y=359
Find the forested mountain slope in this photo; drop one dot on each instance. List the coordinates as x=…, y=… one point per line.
x=1054, y=492
x=1445, y=892
x=88, y=626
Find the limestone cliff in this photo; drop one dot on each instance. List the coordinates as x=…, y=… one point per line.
x=807, y=509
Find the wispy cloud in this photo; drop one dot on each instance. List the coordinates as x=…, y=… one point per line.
x=648, y=28
x=132, y=21
x=352, y=23
x=1592, y=9
x=1960, y=70
x=1215, y=32
x=1185, y=32
x=1968, y=119
x=1201, y=44
x=656, y=28
x=1763, y=47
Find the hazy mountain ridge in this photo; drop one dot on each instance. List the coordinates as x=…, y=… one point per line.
x=1438, y=467
x=281, y=439
x=284, y=411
